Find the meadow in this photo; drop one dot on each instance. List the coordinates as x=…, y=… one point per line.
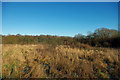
x=60, y=61
x=95, y=55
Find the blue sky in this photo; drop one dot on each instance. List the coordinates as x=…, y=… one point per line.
x=60, y=0
x=62, y=19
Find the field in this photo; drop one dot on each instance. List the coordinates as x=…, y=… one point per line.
x=63, y=61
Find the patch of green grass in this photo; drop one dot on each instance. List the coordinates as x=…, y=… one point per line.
x=9, y=66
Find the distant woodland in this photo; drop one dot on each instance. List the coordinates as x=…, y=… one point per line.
x=101, y=37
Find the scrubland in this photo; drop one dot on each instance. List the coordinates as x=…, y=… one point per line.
x=62, y=61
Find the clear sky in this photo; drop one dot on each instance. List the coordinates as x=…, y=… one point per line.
x=60, y=0
x=54, y=18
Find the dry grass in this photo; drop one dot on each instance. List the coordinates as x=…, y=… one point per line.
x=44, y=61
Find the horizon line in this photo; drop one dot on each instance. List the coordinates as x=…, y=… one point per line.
x=37, y=35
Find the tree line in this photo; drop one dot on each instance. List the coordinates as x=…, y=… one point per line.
x=29, y=39
x=101, y=37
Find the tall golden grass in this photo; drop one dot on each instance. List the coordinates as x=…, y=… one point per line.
x=45, y=61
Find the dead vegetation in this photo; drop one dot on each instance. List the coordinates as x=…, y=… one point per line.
x=45, y=61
